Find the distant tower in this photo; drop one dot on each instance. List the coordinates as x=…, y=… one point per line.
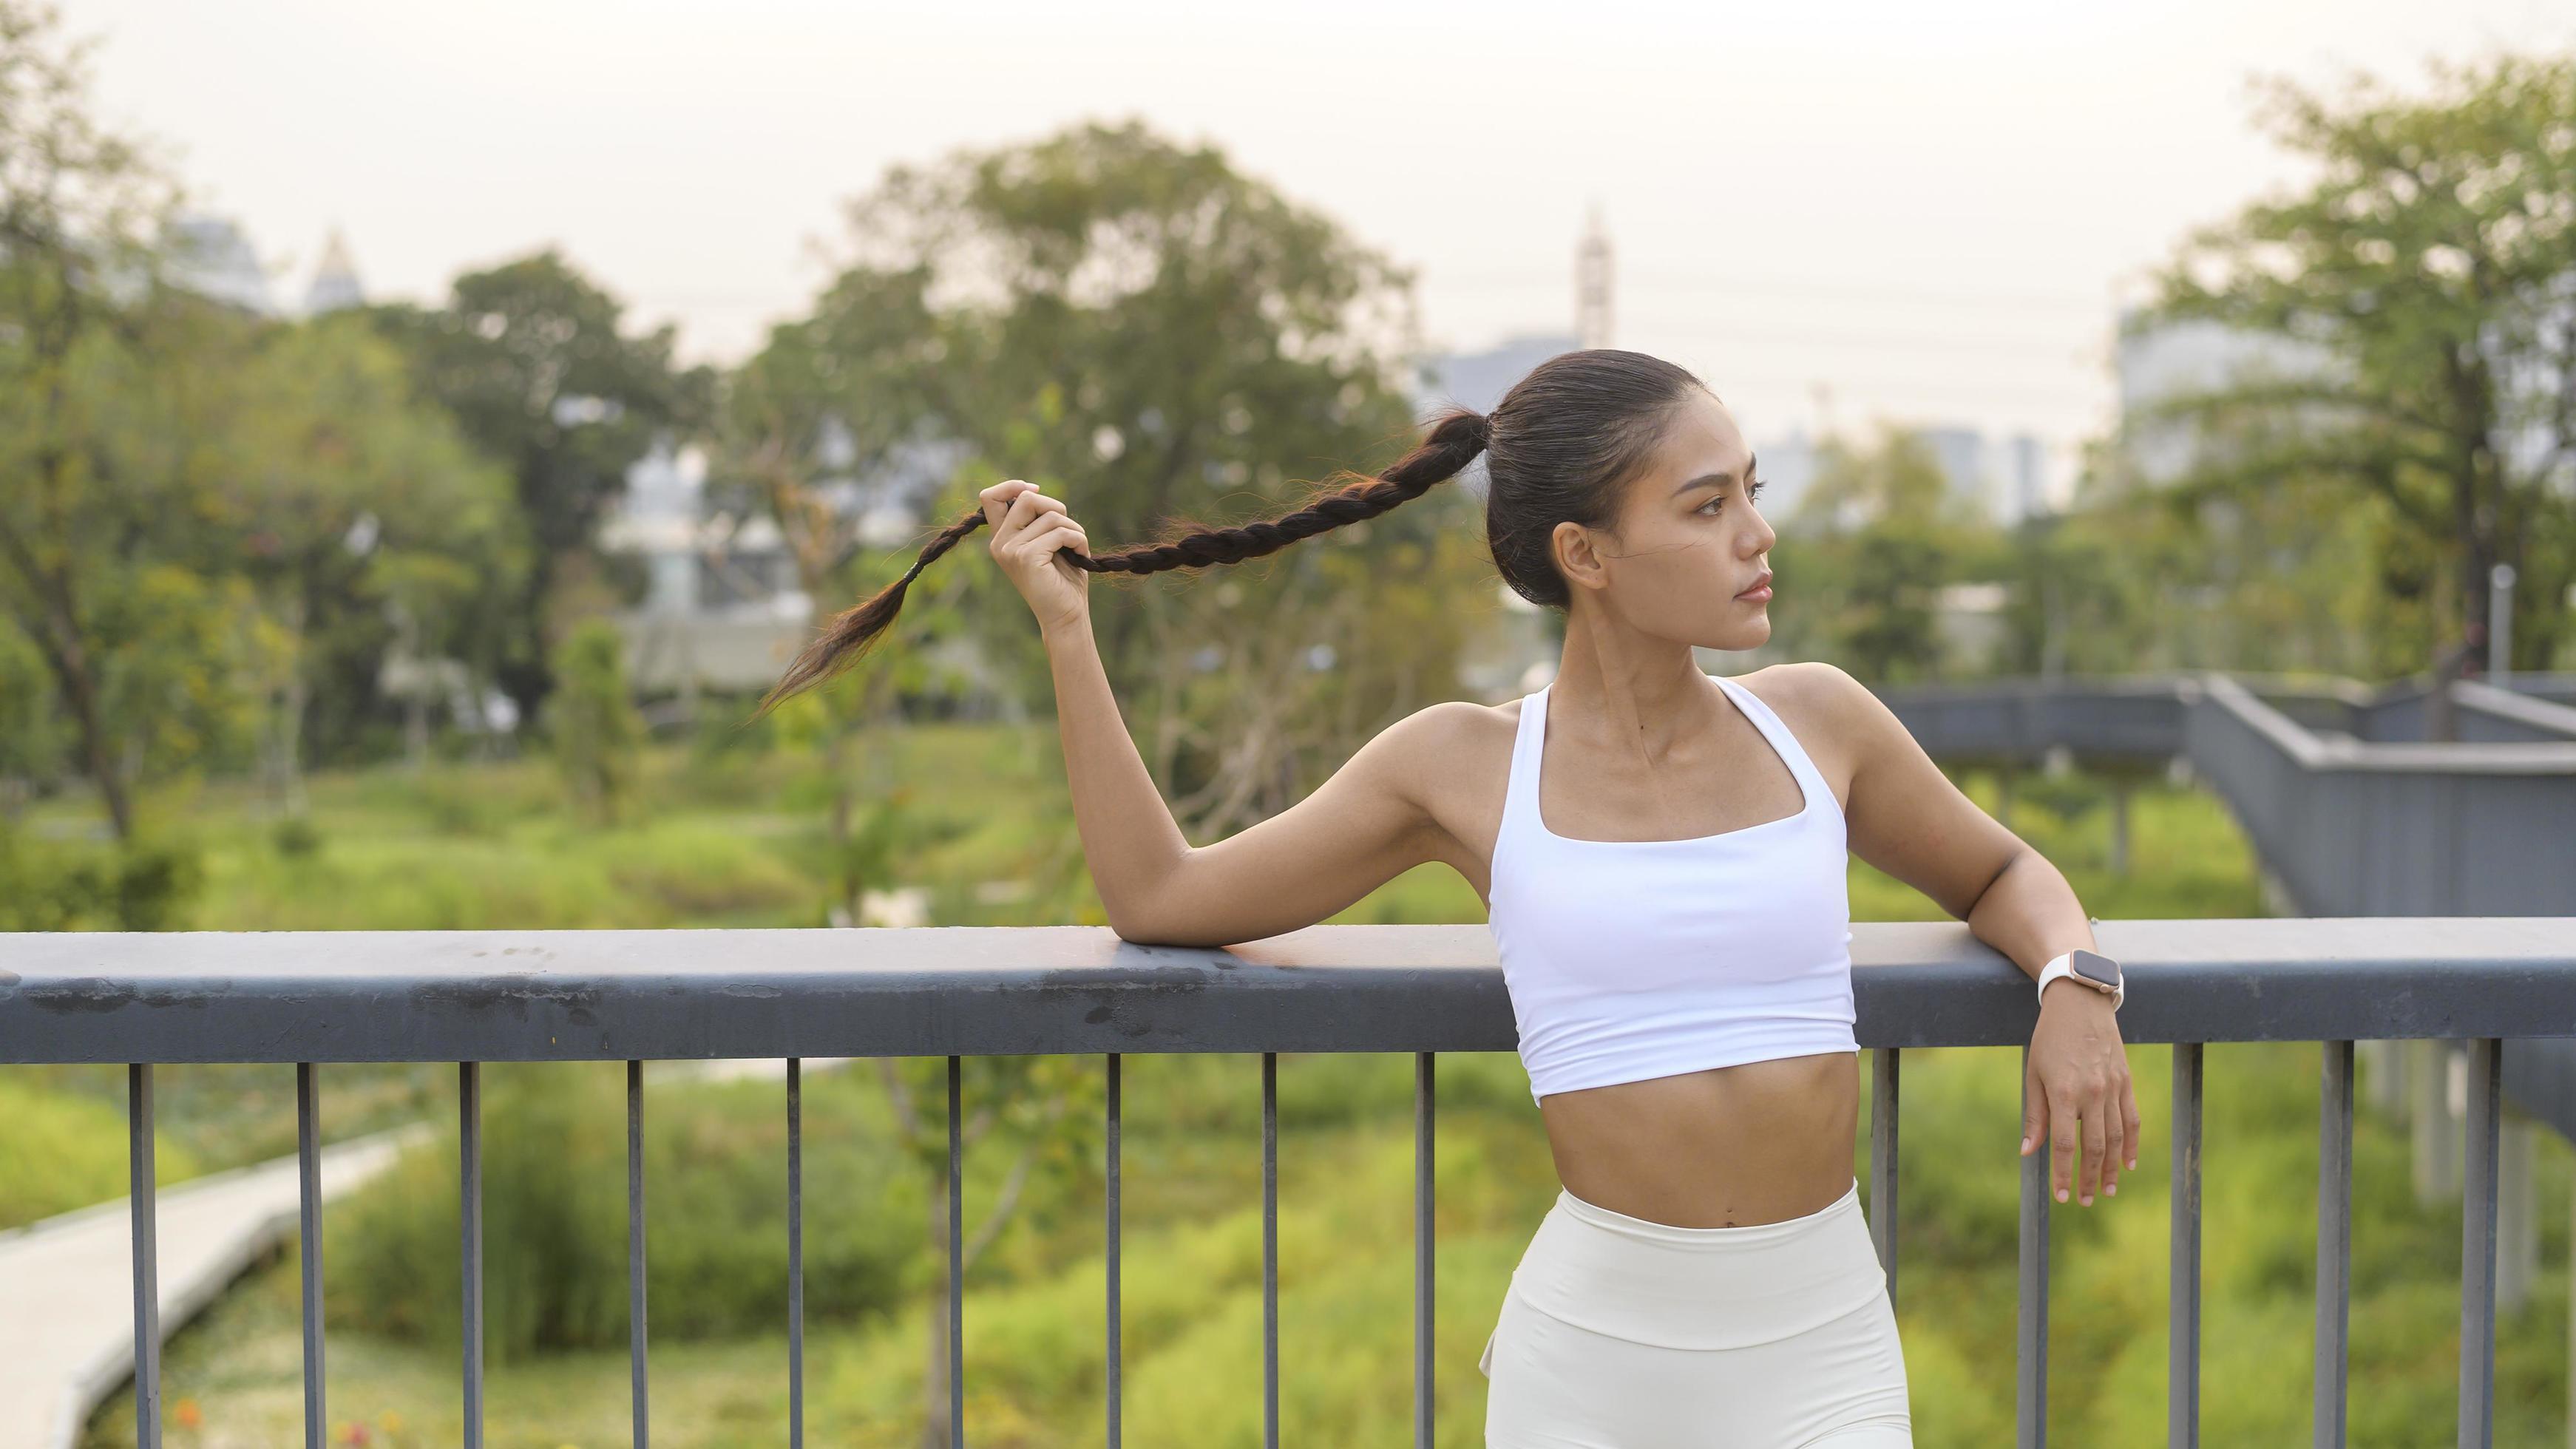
x=1592, y=285
x=211, y=256
x=335, y=279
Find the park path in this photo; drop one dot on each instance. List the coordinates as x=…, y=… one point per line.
x=67, y=1282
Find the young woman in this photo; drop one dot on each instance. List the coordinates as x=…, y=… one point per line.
x=1662, y=856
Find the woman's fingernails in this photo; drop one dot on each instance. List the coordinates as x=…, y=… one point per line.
x=2061, y=1194
x=2113, y=1189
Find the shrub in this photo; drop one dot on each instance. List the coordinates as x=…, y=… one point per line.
x=144, y=884
x=64, y=1150
x=554, y=1217
x=597, y=736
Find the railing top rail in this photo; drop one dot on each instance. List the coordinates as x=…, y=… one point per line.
x=2341, y=752
x=672, y=994
x=2528, y=709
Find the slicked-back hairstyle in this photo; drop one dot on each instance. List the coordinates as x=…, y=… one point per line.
x=1565, y=442
x=1558, y=447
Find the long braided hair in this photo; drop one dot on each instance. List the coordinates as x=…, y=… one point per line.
x=1561, y=442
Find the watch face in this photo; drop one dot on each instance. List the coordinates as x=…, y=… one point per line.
x=2094, y=966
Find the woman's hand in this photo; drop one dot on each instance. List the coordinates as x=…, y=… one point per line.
x=2078, y=1070
x=1028, y=527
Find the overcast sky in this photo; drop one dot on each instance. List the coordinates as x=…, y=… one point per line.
x=1929, y=211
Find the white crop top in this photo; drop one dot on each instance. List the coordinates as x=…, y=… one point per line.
x=1629, y=959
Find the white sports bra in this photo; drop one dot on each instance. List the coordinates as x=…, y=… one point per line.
x=1629, y=959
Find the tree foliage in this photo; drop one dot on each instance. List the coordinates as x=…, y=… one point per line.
x=2433, y=258
x=591, y=721
x=1871, y=543
x=532, y=360
x=1166, y=342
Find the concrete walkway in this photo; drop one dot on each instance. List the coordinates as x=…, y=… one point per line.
x=67, y=1282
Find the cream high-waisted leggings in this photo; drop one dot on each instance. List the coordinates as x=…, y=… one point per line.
x=1620, y=1333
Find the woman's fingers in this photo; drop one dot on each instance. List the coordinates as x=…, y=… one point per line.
x=1023, y=510
x=2092, y=1127
x=2065, y=1133
x=2114, y=1140
x=2034, y=1111
x=2129, y=1111
x=1010, y=507
x=2115, y=1133
x=997, y=499
x=2096, y=1138
x=1042, y=540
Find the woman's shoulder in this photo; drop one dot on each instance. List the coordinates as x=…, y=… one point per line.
x=1447, y=739
x=1831, y=713
x=1451, y=757
x=1805, y=685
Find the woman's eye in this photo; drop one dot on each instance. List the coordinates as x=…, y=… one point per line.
x=1715, y=505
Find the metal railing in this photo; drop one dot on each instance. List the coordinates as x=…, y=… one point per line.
x=2363, y=819
x=473, y=997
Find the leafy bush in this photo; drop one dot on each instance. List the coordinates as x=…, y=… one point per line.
x=554, y=1217
x=591, y=721
x=145, y=884
x=296, y=837
x=64, y=1150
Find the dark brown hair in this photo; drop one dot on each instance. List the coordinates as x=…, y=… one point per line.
x=1558, y=447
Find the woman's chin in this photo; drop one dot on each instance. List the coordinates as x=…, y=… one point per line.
x=1745, y=634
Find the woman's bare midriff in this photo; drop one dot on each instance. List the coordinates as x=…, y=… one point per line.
x=1728, y=1147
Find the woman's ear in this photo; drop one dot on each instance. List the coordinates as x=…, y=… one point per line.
x=1578, y=556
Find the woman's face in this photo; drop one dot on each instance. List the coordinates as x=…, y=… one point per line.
x=1688, y=541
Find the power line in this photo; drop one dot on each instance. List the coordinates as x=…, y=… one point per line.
x=1753, y=285
x=2038, y=353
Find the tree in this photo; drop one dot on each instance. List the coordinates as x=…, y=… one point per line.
x=1146, y=332
x=96, y=364
x=832, y=399
x=1872, y=541
x=598, y=737
x=531, y=360
x=353, y=511
x=2434, y=259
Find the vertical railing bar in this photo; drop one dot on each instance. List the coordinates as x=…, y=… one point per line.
x=795, y=1253
x=1115, y=1335
x=635, y=1249
x=308, y=1213
x=143, y=1201
x=1422, y=1120
x=1270, y=1249
x=2334, y=1241
x=956, y=1260
x=2030, y=1397
x=469, y=1186
x=1882, y=1162
x=2182, y=1314
x=2478, y=1245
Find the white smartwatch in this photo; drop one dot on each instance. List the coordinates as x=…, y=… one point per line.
x=2097, y=971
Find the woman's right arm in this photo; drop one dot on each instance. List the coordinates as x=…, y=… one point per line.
x=1358, y=830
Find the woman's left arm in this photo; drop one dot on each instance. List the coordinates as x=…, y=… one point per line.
x=1906, y=818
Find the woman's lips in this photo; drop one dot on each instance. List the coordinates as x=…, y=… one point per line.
x=1759, y=592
